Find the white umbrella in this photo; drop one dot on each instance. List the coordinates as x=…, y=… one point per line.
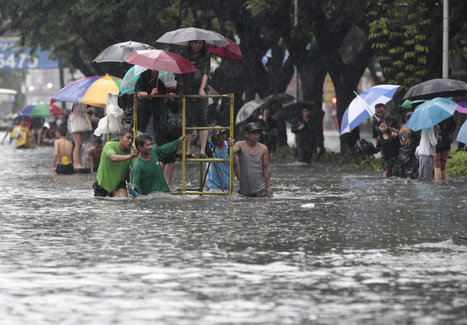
x=247, y=109
x=183, y=35
x=116, y=52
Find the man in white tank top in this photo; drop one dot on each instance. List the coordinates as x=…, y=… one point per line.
x=251, y=164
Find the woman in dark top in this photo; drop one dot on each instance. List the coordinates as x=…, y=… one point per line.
x=388, y=143
x=195, y=83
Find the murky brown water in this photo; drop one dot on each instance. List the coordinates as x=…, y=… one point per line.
x=334, y=246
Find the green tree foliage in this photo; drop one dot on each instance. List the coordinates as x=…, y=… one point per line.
x=399, y=33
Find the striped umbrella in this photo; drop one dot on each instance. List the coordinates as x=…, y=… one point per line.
x=89, y=90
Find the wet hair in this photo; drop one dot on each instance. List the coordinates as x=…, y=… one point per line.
x=62, y=130
x=381, y=122
x=380, y=105
x=203, y=49
x=97, y=140
x=141, y=139
x=126, y=130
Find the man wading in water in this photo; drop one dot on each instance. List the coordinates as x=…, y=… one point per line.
x=251, y=164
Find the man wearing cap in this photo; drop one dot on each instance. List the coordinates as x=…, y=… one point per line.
x=251, y=164
x=380, y=114
x=218, y=173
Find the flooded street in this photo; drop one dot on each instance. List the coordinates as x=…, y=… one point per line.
x=333, y=246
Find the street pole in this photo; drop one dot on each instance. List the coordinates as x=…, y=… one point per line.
x=295, y=66
x=445, y=39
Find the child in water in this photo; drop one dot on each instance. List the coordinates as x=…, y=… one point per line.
x=388, y=143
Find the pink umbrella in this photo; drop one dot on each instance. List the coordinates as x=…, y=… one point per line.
x=462, y=108
x=231, y=51
x=160, y=60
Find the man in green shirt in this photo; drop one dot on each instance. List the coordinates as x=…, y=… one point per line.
x=147, y=175
x=113, y=168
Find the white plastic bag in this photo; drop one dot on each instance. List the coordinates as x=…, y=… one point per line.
x=113, y=121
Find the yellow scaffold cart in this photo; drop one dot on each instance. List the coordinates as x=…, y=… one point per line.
x=201, y=161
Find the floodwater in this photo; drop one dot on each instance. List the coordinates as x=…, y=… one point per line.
x=334, y=246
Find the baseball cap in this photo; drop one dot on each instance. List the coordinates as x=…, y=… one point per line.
x=252, y=127
x=218, y=131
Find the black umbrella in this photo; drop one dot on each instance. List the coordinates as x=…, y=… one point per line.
x=436, y=88
x=116, y=52
x=293, y=110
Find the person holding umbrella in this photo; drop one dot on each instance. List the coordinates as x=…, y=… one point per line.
x=445, y=139
x=426, y=151
x=195, y=83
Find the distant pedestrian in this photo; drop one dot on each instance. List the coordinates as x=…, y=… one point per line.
x=445, y=139
x=62, y=162
x=94, y=155
x=426, y=151
x=408, y=141
x=305, y=136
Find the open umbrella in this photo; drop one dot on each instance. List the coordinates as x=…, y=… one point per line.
x=247, y=109
x=363, y=106
x=436, y=88
x=183, y=35
x=462, y=135
x=293, y=110
x=116, y=52
x=279, y=98
x=431, y=113
x=409, y=103
x=89, y=90
x=462, y=108
x=131, y=78
x=231, y=51
x=160, y=60
x=38, y=110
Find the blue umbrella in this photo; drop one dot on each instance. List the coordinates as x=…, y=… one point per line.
x=462, y=135
x=431, y=113
x=131, y=78
x=363, y=106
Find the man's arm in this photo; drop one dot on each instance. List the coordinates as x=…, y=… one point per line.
x=236, y=150
x=55, y=156
x=266, y=170
x=119, y=158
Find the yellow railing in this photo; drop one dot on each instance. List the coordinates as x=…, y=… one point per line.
x=200, y=160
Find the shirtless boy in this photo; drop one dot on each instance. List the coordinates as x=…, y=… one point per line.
x=63, y=151
x=94, y=154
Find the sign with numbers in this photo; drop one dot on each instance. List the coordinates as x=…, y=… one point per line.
x=23, y=61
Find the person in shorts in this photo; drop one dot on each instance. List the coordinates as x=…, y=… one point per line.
x=445, y=139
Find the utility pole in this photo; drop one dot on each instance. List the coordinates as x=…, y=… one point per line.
x=295, y=66
x=445, y=39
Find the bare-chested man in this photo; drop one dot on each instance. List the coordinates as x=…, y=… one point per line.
x=63, y=151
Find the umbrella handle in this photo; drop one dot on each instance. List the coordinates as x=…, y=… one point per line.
x=135, y=117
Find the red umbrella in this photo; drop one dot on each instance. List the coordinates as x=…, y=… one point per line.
x=54, y=110
x=231, y=51
x=160, y=60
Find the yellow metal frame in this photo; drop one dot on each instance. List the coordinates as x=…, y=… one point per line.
x=184, y=128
